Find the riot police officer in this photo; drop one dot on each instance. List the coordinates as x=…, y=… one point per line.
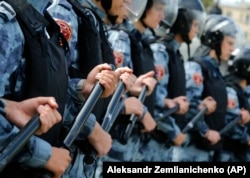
x=236, y=139
x=156, y=12
x=13, y=60
x=83, y=59
x=219, y=35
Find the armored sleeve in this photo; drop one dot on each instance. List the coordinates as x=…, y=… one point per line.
x=11, y=50
x=36, y=153
x=120, y=44
x=194, y=86
x=161, y=59
x=233, y=109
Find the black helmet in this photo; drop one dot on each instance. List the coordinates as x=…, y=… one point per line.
x=215, y=28
x=188, y=10
x=240, y=66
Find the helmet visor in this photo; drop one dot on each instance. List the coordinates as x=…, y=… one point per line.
x=227, y=27
x=199, y=17
x=170, y=13
x=134, y=8
x=240, y=40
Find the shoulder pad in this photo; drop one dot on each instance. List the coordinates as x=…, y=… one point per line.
x=7, y=11
x=194, y=75
x=232, y=99
x=123, y=35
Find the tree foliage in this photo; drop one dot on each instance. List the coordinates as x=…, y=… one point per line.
x=208, y=3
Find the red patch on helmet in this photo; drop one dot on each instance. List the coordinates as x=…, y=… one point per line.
x=231, y=103
x=66, y=29
x=160, y=72
x=198, y=79
x=119, y=58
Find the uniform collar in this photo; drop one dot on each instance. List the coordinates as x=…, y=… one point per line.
x=40, y=5
x=212, y=61
x=175, y=45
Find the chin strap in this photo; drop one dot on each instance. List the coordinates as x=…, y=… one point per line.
x=112, y=18
x=143, y=23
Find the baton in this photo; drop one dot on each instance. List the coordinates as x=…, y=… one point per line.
x=80, y=120
x=133, y=118
x=112, y=107
x=19, y=141
x=108, y=125
x=90, y=156
x=157, y=133
x=83, y=115
x=191, y=123
x=230, y=125
x=167, y=113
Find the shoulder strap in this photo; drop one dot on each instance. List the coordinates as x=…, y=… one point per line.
x=233, y=81
x=169, y=48
x=134, y=42
x=106, y=49
x=33, y=20
x=76, y=4
x=165, y=41
x=206, y=68
x=54, y=29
